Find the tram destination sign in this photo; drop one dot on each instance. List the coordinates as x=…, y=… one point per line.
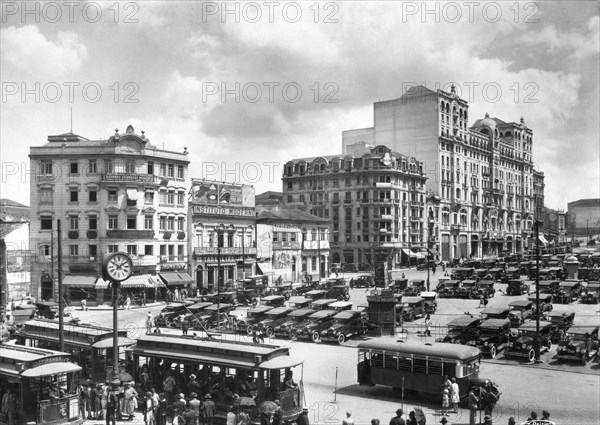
x=538, y=422
x=49, y=360
x=223, y=210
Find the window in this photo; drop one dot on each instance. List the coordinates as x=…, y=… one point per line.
x=113, y=194
x=171, y=249
x=46, y=196
x=290, y=185
x=92, y=166
x=113, y=222
x=149, y=197
x=74, y=222
x=148, y=222
x=163, y=169
x=170, y=198
x=290, y=198
x=180, y=223
x=171, y=169
x=74, y=168
x=180, y=199
x=148, y=250
x=45, y=250
x=180, y=171
x=132, y=249
x=275, y=236
x=93, y=195
x=92, y=223
x=171, y=223
x=93, y=251
x=163, y=250
x=73, y=195
x=162, y=198
x=131, y=222
x=179, y=252
x=150, y=169
x=46, y=223
x=113, y=248
x=162, y=223
x=73, y=250
x=46, y=167
x=130, y=167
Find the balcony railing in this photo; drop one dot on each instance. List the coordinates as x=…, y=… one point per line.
x=129, y=177
x=315, y=245
x=387, y=217
x=130, y=234
x=226, y=250
x=286, y=245
x=145, y=260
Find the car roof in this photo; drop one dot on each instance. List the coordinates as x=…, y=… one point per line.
x=495, y=310
x=279, y=310
x=52, y=303
x=300, y=312
x=348, y=314
x=568, y=284
x=470, y=281
x=411, y=300
x=521, y=303
x=542, y=297
x=451, y=282
x=561, y=313
x=464, y=269
x=272, y=298
x=260, y=309
x=322, y=314
x=495, y=269
x=315, y=292
x=419, y=281
x=494, y=323
x=323, y=301
x=530, y=325
x=299, y=300
x=486, y=282
x=582, y=329
x=340, y=304
x=215, y=306
x=428, y=294
x=512, y=269
x=548, y=282
x=464, y=321
x=593, y=285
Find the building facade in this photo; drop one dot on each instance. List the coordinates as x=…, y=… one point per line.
x=373, y=197
x=583, y=218
x=15, y=264
x=483, y=190
x=120, y=194
x=296, y=242
x=222, y=225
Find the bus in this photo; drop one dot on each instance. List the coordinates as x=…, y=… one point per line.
x=90, y=345
x=258, y=373
x=31, y=373
x=419, y=368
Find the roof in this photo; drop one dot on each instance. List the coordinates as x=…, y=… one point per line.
x=531, y=326
x=494, y=323
x=279, y=310
x=582, y=329
x=463, y=321
x=496, y=310
x=11, y=211
x=521, y=303
x=348, y=314
x=269, y=195
x=301, y=312
x=542, y=297
x=410, y=300
x=260, y=309
x=7, y=228
x=288, y=215
x=438, y=349
x=568, y=284
x=322, y=314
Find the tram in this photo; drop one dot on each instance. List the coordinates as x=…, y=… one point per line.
x=90, y=345
x=44, y=385
x=258, y=373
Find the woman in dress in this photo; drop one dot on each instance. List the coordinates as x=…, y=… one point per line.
x=130, y=400
x=454, y=395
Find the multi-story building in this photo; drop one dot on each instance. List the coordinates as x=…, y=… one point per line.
x=120, y=194
x=583, y=217
x=222, y=228
x=555, y=227
x=373, y=197
x=296, y=241
x=14, y=252
x=480, y=179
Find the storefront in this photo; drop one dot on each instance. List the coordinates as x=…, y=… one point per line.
x=136, y=287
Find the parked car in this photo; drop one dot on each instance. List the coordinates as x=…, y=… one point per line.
x=228, y=297
x=493, y=336
x=284, y=290
x=511, y=273
x=295, y=318
x=429, y=301
x=213, y=316
x=315, y=294
x=253, y=316
x=398, y=285
x=486, y=287
x=171, y=312
x=462, y=273
x=447, y=289
x=362, y=281
x=299, y=302
x=273, y=301
x=272, y=318
x=334, y=281
x=47, y=309
x=517, y=287
x=496, y=312
x=481, y=273
x=195, y=311
x=467, y=289
x=561, y=320
x=304, y=288
x=339, y=292
x=591, y=293
x=315, y=323
x=548, y=287
x=340, y=306
x=522, y=345
x=410, y=308
x=321, y=304
x=568, y=291
x=574, y=346
x=248, y=296
x=521, y=310
x=346, y=324
x=494, y=273
x=23, y=313
x=461, y=330
x=414, y=288
x=545, y=304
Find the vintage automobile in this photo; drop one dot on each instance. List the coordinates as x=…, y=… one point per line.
x=573, y=347
x=561, y=320
x=461, y=330
x=480, y=273
x=568, y=291
x=362, y=281
x=272, y=318
x=398, y=285
x=548, y=287
x=23, y=313
x=315, y=323
x=315, y=294
x=304, y=288
x=340, y=306
x=215, y=315
x=414, y=288
x=517, y=287
x=248, y=296
x=228, y=297
x=339, y=292
x=462, y=273
x=549, y=273
x=409, y=309
x=322, y=303
x=346, y=324
x=47, y=309
x=429, y=301
x=299, y=302
x=334, y=281
x=585, y=273
x=284, y=290
x=591, y=293
x=467, y=289
x=525, y=267
x=171, y=312
x=494, y=273
x=447, y=289
x=492, y=336
x=545, y=304
x=253, y=316
x=522, y=345
x=496, y=312
x=486, y=287
x=195, y=311
x=521, y=310
x=272, y=301
x=295, y=318
x=511, y=273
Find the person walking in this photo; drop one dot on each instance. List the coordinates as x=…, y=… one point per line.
x=84, y=401
x=84, y=305
x=485, y=299
x=303, y=417
x=454, y=395
x=96, y=404
x=149, y=323
x=428, y=325
x=161, y=412
x=197, y=405
x=149, y=409
x=398, y=420
x=473, y=405
x=489, y=399
x=112, y=406
x=9, y=406
x=348, y=420
x=130, y=400
x=209, y=410
x=128, y=303
x=445, y=401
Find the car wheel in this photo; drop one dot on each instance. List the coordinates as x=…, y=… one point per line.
x=207, y=325
x=493, y=352
x=249, y=329
x=411, y=317
x=286, y=296
x=292, y=336
x=269, y=332
x=346, y=297
x=340, y=298
x=254, y=301
x=341, y=339
x=294, y=292
x=316, y=337
x=531, y=355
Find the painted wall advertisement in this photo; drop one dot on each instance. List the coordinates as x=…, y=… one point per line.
x=217, y=193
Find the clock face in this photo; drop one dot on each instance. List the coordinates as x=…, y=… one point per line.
x=119, y=267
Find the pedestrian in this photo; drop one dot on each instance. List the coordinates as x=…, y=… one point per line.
x=545, y=415
x=348, y=420
x=209, y=410
x=149, y=322
x=196, y=404
x=473, y=405
x=303, y=417
x=84, y=304
x=480, y=301
x=433, y=269
x=487, y=420
x=144, y=299
x=149, y=409
x=398, y=420
x=130, y=400
x=96, y=404
x=412, y=418
x=9, y=406
x=454, y=395
x=489, y=399
x=375, y=421
x=261, y=337
x=231, y=416
x=169, y=386
x=84, y=401
x=403, y=277
x=255, y=337
x=176, y=295
x=511, y=421
x=112, y=406
x=179, y=404
x=428, y=325
x=444, y=267
x=184, y=324
x=193, y=386
x=161, y=412
x=128, y=303
x=190, y=416
x=532, y=416
x=485, y=299
x=445, y=401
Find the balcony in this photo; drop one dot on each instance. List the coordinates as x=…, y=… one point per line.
x=130, y=234
x=387, y=217
x=228, y=250
x=145, y=260
x=383, y=185
x=129, y=178
x=286, y=245
x=315, y=245
x=347, y=201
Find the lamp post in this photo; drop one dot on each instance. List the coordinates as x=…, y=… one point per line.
x=537, y=290
x=219, y=230
x=319, y=251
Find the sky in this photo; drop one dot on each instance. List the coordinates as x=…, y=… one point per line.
x=247, y=86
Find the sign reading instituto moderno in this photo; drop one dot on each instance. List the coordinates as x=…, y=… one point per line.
x=222, y=210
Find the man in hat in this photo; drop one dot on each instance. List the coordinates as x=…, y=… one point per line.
x=398, y=420
x=149, y=323
x=179, y=404
x=112, y=405
x=193, y=386
x=209, y=410
x=9, y=405
x=489, y=398
x=196, y=404
x=303, y=417
x=444, y=421
x=473, y=404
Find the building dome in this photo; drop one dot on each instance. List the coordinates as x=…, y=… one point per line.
x=487, y=121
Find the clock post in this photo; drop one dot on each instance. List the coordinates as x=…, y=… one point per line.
x=116, y=267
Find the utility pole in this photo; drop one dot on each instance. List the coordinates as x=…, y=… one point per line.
x=61, y=306
x=537, y=291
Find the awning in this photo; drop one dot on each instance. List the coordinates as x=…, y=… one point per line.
x=281, y=362
x=132, y=194
x=176, y=278
x=543, y=239
x=135, y=281
x=409, y=253
x=108, y=342
x=51, y=369
x=81, y=281
x=265, y=268
x=433, y=252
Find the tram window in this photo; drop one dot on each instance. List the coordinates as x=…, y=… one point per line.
x=419, y=365
x=391, y=361
x=377, y=360
x=405, y=363
x=434, y=367
x=450, y=370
